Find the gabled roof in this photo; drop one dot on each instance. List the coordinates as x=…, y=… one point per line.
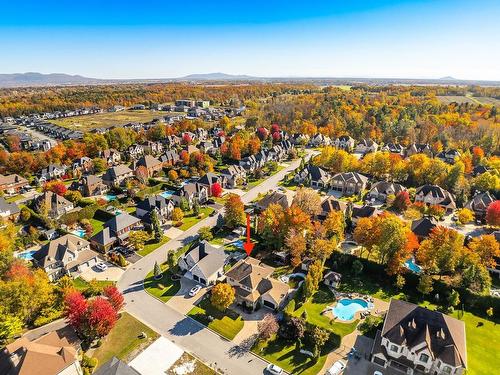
x=114, y=172
x=121, y=221
x=411, y=325
x=332, y=204
x=55, y=250
x=480, y=201
x=208, y=179
x=436, y=192
x=206, y=258
x=148, y=161
x=8, y=206
x=276, y=197
x=353, y=177
x=424, y=226
x=385, y=187
x=364, y=211
x=115, y=366
x=317, y=173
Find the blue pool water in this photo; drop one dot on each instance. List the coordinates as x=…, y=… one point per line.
x=79, y=232
x=347, y=308
x=167, y=194
x=110, y=197
x=238, y=244
x=26, y=255
x=412, y=266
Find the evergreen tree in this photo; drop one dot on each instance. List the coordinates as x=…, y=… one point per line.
x=157, y=271
x=196, y=207
x=155, y=223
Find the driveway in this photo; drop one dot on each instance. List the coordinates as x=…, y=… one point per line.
x=249, y=332
x=173, y=232
x=182, y=301
x=113, y=273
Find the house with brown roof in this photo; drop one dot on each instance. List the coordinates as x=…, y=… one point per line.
x=55, y=353
x=382, y=189
x=416, y=340
x=112, y=156
x=332, y=204
x=479, y=204
x=152, y=164
x=66, y=255
x=12, y=183
x=255, y=287
x=92, y=185
x=435, y=195
x=116, y=176
x=284, y=199
x=349, y=183
x=53, y=204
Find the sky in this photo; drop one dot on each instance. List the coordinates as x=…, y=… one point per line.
x=272, y=38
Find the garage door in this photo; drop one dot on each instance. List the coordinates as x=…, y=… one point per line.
x=269, y=304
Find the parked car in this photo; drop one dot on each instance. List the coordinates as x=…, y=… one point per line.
x=213, y=213
x=273, y=369
x=337, y=368
x=101, y=266
x=194, y=290
x=378, y=373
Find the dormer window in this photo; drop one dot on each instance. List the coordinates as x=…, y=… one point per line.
x=423, y=358
x=394, y=348
x=446, y=370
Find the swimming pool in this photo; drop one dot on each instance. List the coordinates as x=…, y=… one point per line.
x=26, y=255
x=79, y=232
x=110, y=197
x=412, y=266
x=347, y=308
x=167, y=194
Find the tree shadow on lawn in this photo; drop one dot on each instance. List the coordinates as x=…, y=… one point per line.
x=186, y=327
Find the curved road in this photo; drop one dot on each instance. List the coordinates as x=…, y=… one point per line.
x=186, y=332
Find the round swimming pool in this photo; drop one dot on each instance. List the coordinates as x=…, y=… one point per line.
x=347, y=308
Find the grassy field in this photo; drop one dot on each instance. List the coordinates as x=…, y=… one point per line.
x=81, y=284
x=190, y=219
x=123, y=341
x=226, y=324
x=107, y=119
x=151, y=245
x=468, y=99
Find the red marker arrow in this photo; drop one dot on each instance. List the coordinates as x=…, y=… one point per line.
x=248, y=246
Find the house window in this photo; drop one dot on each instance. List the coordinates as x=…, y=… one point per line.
x=394, y=348
x=446, y=370
x=424, y=358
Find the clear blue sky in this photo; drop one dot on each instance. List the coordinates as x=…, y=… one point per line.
x=161, y=39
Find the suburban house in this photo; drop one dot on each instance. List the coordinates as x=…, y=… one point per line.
x=419, y=148
x=92, y=185
x=115, y=176
x=233, y=176
x=331, y=204
x=169, y=157
x=254, y=286
x=366, y=146
x=152, y=147
x=115, y=230
x=319, y=140
x=112, y=156
x=300, y=139
x=382, y=189
x=52, y=172
x=435, y=195
x=479, y=204
x=332, y=279
x=162, y=206
x=253, y=162
x=53, y=204
x=152, y=164
x=53, y=353
x=204, y=264
x=345, y=142
x=423, y=227
x=449, y=156
x=12, y=183
x=284, y=199
x=208, y=180
x=115, y=366
x=83, y=165
x=135, y=151
x=8, y=210
x=66, y=255
x=349, y=183
x=314, y=176
x=359, y=212
x=479, y=170
x=171, y=140
x=191, y=192
x=394, y=148
x=417, y=340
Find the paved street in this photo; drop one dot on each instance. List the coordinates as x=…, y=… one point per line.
x=185, y=332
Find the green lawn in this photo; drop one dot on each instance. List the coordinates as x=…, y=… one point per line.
x=81, y=284
x=316, y=305
x=151, y=245
x=14, y=198
x=190, y=219
x=164, y=288
x=483, y=343
x=96, y=225
x=123, y=340
x=226, y=324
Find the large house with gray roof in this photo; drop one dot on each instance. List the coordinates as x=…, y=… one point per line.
x=416, y=340
x=204, y=264
x=435, y=195
x=115, y=231
x=349, y=183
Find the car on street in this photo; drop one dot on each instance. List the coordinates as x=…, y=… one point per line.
x=337, y=368
x=273, y=369
x=377, y=373
x=101, y=266
x=194, y=290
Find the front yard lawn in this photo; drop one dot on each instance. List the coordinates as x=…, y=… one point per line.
x=152, y=245
x=81, y=284
x=123, y=341
x=226, y=324
x=96, y=225
x=164, y=288
x=190, y=219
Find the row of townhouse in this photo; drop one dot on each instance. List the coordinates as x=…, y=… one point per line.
x=277, y=153
x=56, y=131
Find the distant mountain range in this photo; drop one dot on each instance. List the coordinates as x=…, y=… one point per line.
x=33, y=79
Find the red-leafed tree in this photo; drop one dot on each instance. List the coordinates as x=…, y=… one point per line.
x=114, y=297
x=55, y=186
x=100, y=318
x=493, y=214
x=186, y=138
x=262, y=133
x=216, y=190
x=275, y=128
x=401, y=201
x=75, y=307
x=276, y=136
x=141, y=173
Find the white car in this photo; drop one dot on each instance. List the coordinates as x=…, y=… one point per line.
x=194, y=291
x=273, y=369
x=377, y=373
x=337, y=368
x=101, y=266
